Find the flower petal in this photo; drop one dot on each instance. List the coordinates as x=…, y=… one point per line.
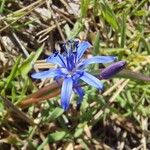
x=76, y=76
x=91, y=80
x=66, y=92
x=83, y=46
x=97, y=59
x=70, y=62
x=57, y=59
x=48, y=74
x=80, y=92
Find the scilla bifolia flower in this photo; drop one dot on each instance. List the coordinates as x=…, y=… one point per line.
x=71, y=67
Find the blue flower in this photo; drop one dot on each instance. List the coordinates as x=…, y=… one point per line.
x=71, y=67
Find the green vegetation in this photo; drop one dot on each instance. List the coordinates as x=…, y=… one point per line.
x=116, y=118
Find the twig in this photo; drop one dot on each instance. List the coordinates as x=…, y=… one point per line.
x=20, y=44
x=13, y=109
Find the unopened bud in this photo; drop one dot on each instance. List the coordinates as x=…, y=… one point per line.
x=112, y=70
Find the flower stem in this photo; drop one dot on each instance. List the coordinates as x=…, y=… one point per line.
x=45, y=89
x=31, y=100
x=43, y=93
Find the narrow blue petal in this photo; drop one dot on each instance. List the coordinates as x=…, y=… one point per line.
x=48, y=74
x=66, y=92
x=76, y=76
x=57, y=59
x=91, y=80
x=83, y=46
x=70, y=62
x=97, y=59
x=80, y=92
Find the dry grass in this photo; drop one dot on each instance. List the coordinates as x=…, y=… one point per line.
x=116, y=119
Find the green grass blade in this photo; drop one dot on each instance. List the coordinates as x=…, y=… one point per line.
x=12, y=74
x=109, y=15
x=28, y=63
x=2, y=6
x=96, y=45
x=53, y=137
x=76, y=30
x=56, y=113
x=84, y=7
x=145, y=44
x=123, y=30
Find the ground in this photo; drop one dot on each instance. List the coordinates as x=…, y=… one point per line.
x=115, y=118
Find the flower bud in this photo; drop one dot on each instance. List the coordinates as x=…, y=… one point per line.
x=112, y=70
